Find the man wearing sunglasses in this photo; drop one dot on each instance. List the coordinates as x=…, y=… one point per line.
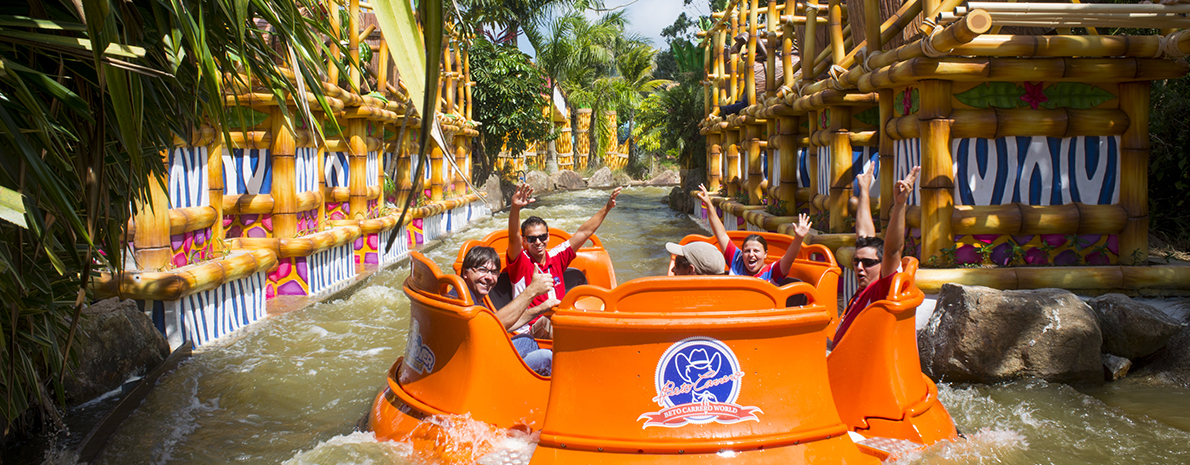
x=876, y=261
x=527, y=244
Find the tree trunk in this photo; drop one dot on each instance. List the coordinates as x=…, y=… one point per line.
x=551, y=158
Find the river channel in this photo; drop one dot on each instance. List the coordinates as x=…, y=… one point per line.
x=291, y=388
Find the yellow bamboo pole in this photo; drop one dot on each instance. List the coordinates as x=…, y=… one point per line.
x=715, y=161
x=810, y=50
x=332, y=71
x=448, y=79
x=151, y=241
x=1134, y=173
x=215, y=184
x=787, y=151
x=382, y=67
x=353, y=43
x=404, y=168
x=733, y=160
x=752, y=134
x=750, y=63
x=840, y=165
x=357, y=167
x=770, y=69
x=812, y=161
x=283, y=154
x=887, y=158
x=437, y=180
x=937, y=178
x=872, y=25
x=835, y=23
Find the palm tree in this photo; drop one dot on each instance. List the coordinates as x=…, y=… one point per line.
x=91, y=93
x=636, y=69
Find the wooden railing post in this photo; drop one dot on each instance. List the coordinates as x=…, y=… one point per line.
x=840, y=164
x=283, y=153
x=1134, y=172
x=937, y=175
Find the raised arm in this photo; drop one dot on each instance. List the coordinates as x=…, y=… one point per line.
x=894, y=238
x=799, y=234
x=712, y=217
x=517, y=312
x=522, y=197
x=588, y=228
x=864, y=227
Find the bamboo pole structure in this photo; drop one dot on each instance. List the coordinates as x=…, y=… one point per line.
x=467, y=84
x=215, y=185
x=382, y=67
x=353, y=44
x=437, y=180
x=283, y=154
x=1134, y=173
x=1068, y=45
x=582, y=137
x=835, y=24
x=937, y=175
x=714, y=161
x=1102, y=70
x=812, y=163
x=809, y=49
x=755, y=175
x=994, y=123
x=332, y=70
x=355, y=133
x=840, y=166
x=448, y=76
x=787, y=152
x=733, y=161
x=151, y=240
x=404, y=165
x=872, y=25
x=887, y=158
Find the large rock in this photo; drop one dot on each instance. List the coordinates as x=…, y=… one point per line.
x=1115, y=367
x=681, y=201
x=568, y=180
x=665, y=178
x=1132, y=329
x=984, y=335
x=493, y=193
x=601, y=178
x=116, y=340
x=621, y=179
x=1169, y=364
x=539, y=181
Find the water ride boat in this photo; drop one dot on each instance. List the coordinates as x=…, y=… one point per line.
x=670, y=369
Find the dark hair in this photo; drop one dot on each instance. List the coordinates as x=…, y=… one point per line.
x=757, y=238
x=480, y=255
x=871, y=241
x=533, y=220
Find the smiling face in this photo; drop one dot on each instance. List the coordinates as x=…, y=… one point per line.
x=481, y=279
x=535, y=248
x=754, y=254
x=867, y=266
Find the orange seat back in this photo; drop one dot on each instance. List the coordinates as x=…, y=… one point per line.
x=875, y=372
x=633, y=378
x=593, y=260
x=459, y=359
x=815, y=264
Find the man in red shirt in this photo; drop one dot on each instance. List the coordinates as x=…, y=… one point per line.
x=876, y=261
x=527, y=241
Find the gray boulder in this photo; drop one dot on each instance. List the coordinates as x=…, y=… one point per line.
x=539, y=181
x=1169, y=364
x=568, y=180
x=493, y=193
x=665, y=178
x=601, y=178
x=983, y=335
x=116, y=340
x=1115, y=367
x=680, y=201
x=1132, y=329
x=621, y=179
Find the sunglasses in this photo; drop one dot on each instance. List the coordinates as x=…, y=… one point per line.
x=867, y=262
x=479, y=270
x=541, y=238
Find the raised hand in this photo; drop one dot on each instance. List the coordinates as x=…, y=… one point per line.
x=905, y=186
x=611, y=201
x=802, y=228
x=703, y=195
x=523, y=196
x=865, y=178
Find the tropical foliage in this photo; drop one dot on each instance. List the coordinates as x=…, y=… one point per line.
x=91, y=92
x=508, y=102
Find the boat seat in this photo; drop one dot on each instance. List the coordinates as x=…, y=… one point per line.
x=501, y=293
x=875, y=373
x=591, y=260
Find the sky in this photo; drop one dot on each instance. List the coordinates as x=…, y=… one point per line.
x=646, y=17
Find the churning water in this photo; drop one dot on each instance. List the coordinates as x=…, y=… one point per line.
x=290, y=389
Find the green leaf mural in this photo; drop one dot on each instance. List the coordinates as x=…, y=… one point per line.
x=907, y=102
x=1075, y=95
x=245, y=117
x=330, y=128
x=870, y=117
x=993, y=94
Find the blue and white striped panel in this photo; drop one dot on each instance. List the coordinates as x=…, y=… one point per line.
x=803, y=167
x=188, y=186
x=400, y=248
x=907, y=154
x=388, y=161
x=247, y=171
x=849, y=287
x=331, y=268
x=764, y=165
x=729, y=221
x=334, y=169
x=824, y=170
x=206, y=316
x=1037, y=170
x=751, y=227
x=306, y=172
x=373, y=169
x=413, y=162
x=859, y=162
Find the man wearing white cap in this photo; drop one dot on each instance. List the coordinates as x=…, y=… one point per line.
x=696, y=258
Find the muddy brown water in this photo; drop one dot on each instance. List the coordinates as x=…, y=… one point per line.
x=291, y=388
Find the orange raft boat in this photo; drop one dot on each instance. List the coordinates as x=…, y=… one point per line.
x=671, y=369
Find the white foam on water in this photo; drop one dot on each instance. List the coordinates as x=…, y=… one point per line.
x=985, y=446
x=354, y=448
